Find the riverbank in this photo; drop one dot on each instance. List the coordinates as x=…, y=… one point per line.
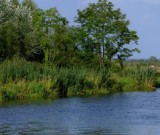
x=21, y=80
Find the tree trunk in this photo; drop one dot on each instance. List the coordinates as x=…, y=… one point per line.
x=121, y=62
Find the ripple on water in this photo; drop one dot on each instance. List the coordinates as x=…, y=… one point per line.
x=119, y=114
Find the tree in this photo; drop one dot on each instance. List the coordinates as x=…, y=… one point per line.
x=65, y=52
x=152, y=59
x=16, y=29
x=29, y=4
x=25, y=30
x=33, y=50
x=51, y=29
x=8, y=35
x=15, y=2
x=8, y=40
x=105, y=33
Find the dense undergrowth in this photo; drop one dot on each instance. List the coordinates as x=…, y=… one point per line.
x=20, y=80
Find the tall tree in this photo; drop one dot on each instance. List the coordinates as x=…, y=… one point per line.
x=34, y=49
x=16, y=29
x=105, y=33
x=8, y=35
x=65, y=52
x=25, y=29
x=50, y=28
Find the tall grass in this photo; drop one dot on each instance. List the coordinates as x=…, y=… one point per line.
x=21, y=80
x=139, y=78
x=12, y=71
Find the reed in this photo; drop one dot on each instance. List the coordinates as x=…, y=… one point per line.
x=12, y=71
x=139, y=78
x=21, y=80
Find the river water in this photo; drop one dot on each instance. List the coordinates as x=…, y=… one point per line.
x=134, y=113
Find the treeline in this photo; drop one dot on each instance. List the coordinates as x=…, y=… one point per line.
x=101, y=33
x=152, y=61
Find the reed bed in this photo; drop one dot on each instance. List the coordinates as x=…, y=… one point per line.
x=20, y=79
x=139, y=78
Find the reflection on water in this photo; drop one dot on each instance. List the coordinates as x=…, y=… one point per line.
x=118, y=114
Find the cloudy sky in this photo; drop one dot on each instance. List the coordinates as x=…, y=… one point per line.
x=143, y=14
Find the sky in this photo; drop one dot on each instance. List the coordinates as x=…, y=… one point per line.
x=143, y=15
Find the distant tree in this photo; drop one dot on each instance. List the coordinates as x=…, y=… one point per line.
x=152, y=59
x=104, y=33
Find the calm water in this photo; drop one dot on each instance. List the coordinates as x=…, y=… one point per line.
x=119, y=114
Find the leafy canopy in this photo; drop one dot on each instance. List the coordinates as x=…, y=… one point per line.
x=105, y=33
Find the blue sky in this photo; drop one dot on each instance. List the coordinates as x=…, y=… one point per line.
x=143, y=15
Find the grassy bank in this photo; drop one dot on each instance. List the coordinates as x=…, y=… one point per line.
x=21, y=80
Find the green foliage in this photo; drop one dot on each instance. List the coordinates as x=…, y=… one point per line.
x=8, y=40
x=26, y=90
x=45, y=36
x=157, y=80
x=19, y=70
x=153, y=59
x=86, y=59
x=20, y=79
x=104, y=33
x=139, y=78
x=29, y=4
x=16, y=30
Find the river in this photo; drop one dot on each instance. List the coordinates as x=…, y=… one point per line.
x=133, y=113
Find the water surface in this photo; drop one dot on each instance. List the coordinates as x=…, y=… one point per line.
x=136, y=113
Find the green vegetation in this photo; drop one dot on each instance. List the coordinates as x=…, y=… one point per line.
x=42, y=56
x=21, y=79
x=29, y=80
x=102, y=34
